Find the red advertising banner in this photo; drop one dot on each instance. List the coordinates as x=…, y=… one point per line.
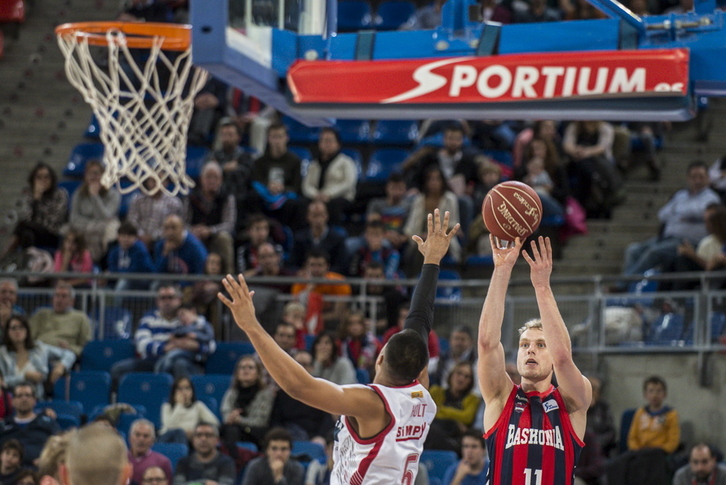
x=503, y=78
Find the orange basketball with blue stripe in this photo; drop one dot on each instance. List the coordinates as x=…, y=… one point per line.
x=512, y=209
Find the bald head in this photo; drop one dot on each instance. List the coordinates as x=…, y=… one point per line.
x=96, y=455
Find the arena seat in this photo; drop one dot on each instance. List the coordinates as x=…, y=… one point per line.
x=383, y=162
x=173, y=451
x=213, y=385
x=91, y=388
x=117, y=323
x=148, y=389
x=392, y=14
x=69, y=408
x=438, y=461
x=362, y=376
x=196, y=157
x=315, y=451
x=93, y=130
x=395, y=133
x=82, y=153
x=302, y=153
x=223, y=359
x=353, y=131
x=451, y=293
x=102, y=354
x=299, y=133
x=666, y=329
x=354, y=15
x=626, y=419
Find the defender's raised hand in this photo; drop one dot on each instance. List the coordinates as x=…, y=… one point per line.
x=505, y=253
x=241, y=306
x=437, y=242
x=541, y=264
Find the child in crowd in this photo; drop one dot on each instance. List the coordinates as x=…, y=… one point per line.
x=294, y=313
x=74, y=257
x=258, y=232
x=130, y=255
x=204, y=293
x=11, y=457
x=655, y=425
x=375, y=248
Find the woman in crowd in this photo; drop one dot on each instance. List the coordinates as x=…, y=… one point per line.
x=247, y=405
x=23, y=359
x=182, y=413
x=94, y=210
x=327, y=362
x=359, y=344
x=42, y=211
x=436, y=194
x=456, y=407
x=73, y=257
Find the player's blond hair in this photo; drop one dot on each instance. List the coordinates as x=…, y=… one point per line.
x=535, y=323
x=96, y=454
x=53, y=455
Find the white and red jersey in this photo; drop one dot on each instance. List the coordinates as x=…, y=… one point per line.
x=392, y=456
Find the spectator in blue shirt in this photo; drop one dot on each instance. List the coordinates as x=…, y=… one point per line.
x=472, y=468
x=179, y=251
x=129, y=256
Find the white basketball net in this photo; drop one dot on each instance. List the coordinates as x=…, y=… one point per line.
x=143, y=123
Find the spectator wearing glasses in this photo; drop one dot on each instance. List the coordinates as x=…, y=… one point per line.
x=155, y=334
x=154, y=475
x=30, y=429
x=702, y=468
x=206, y=464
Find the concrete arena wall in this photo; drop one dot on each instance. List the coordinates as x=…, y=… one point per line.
x=701, y=409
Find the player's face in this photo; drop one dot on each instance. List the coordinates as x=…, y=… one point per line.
x=472, y=452
x=278, y=450
x=534, y=361
x=655, y=395
x=702, y=463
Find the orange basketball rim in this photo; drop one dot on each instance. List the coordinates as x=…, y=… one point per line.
x=137, y=35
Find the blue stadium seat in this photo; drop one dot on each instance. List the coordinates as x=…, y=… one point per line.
x=212, y=404
x=93, y=131
x=196, y=157
x=67, y=421
x=316, y=451
x=71, y=186
x=438, y=461
x=354, y=15
x=626, y=419
x=223, y=359
x=118, y=323
x=392, y=14
x=353, y=131
x=173, y=451
x=82, y=153
x=299, y=133
x=362, y=376
x=91, y=388
x=395, y=133
x=102, y=354
x=309, y=340
x=213, y=385
x=718, y=322
x=452, y=293
x=666, y=329
x=357, y=159
x=302, y=152
x=69, y=408
x=247, y=445
x=148, y=389
x=502, y=156
x=443, y=344
x=385, y=161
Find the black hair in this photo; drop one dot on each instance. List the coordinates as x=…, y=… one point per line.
x=318, y=253
x=476, y=434
x=29, y=343
x=655, y=380
x=406, y=356
x=174, y=386
x=53, y=177
x=277, y=434
x=128, y=228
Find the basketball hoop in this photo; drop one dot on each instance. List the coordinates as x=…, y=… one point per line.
x=143, y=103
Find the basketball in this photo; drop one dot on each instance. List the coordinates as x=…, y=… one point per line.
x=511, y=209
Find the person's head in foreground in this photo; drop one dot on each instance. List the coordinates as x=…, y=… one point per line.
x=51, y=458
x=96, y=455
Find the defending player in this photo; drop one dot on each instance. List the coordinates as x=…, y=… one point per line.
x=383, y=426
x=533, y=431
